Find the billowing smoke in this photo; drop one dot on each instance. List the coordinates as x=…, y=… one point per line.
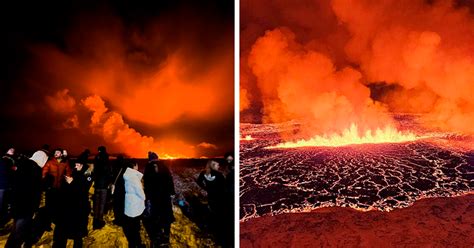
x=426, y=48
x=299, y=83
x=324, y=63
x=133, y=77
x=112, y=127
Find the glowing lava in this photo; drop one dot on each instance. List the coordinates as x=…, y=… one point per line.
x=352, y=136
x=247, y=138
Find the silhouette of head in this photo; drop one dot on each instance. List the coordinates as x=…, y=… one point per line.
x=152, y=156
x=101, y=149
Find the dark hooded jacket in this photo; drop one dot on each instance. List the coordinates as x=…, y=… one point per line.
x=75, y=205
x=102, y=171
x=215, y=189
x=26, y=189
x=6, y=169
x=159, y=187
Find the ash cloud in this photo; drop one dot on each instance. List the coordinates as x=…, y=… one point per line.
x=421, y=51
x=154, y=68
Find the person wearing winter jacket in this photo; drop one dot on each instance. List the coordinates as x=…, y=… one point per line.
x=134, y=205
x=213, y=182
x=53, y=175
x=103, y=174
x=229, y=195
x=159, y=188
x=118, y=190
x=74, y=208
x=26, y=198
x=84, y=157
x=56, y=169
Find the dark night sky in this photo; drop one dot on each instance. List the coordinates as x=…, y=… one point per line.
x=165, y=67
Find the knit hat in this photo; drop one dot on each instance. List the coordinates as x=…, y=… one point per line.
x=40, y=158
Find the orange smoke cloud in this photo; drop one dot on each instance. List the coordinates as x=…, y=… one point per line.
x=153, y=86
x=168, y=95
x=111, y=126
x=300, y=83
x=424, y=48
x=244, y=99
x=61, y=102
x=320, y=65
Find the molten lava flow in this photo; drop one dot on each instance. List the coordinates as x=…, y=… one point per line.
x=352, y=136
x=247, y=138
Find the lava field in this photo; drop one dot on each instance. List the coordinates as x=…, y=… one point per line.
x=371, y=176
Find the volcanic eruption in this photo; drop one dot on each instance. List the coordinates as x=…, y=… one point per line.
x=128, y=76
x=361, y=104
x=368, y=61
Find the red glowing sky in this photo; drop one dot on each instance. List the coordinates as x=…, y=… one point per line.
x=135, y=77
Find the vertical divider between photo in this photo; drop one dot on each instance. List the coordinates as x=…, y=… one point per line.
x=236, y=120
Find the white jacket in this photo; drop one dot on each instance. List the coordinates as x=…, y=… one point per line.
x=134, y=194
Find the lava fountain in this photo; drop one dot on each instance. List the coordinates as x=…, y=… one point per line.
x=352, y=136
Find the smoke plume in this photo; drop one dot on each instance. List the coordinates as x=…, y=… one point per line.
x=323, y=63
x=132, y=76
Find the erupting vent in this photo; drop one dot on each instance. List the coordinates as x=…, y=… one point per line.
x=352, y=136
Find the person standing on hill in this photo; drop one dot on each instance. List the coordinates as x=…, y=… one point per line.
x=84, y=157
x=73, y=213
x=53, y=175
x=102, y=180
x=118, y=190
x=229, y=208
x=159, y=188
x=134, y=205
x=213, y=182
x=56, y=169
x=26, y=196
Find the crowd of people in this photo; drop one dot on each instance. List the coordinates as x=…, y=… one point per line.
x=135, y=197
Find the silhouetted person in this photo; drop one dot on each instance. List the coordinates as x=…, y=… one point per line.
x=118, y=190
x=45, y=148
x=214, y=183
x=53, y=175
x=7, y=168
x=65, y=156
x=159, y=188
x=102, y=173
x=229, y=196
x=84, y=157
x=26, y=198
x=74, y=208
x=134, y=205
x=229, y=168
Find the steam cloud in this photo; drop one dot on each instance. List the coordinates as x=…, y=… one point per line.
x=322, y=63
x=132, y=76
